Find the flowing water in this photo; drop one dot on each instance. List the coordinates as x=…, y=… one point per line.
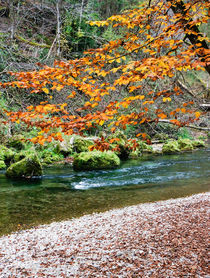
x=63, y=194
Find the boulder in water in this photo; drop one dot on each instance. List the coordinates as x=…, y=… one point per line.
x=28, y=167
x=95, y=160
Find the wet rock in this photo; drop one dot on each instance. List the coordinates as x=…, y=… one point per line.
x=95, y=160
x=28, y=167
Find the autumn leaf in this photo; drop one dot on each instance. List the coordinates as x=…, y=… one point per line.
x=197, y=114
x=45, y=90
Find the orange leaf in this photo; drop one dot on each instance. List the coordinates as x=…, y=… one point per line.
x=197, y=114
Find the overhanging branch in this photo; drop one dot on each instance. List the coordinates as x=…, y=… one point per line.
x=189, y=126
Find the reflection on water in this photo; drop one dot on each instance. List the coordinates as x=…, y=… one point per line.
x=63, y=194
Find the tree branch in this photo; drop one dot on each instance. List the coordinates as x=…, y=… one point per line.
x=179, y=7
x=189, y=126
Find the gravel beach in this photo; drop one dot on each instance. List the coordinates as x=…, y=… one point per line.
x=162, y=239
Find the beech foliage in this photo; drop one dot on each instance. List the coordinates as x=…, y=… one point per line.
x=131, y=80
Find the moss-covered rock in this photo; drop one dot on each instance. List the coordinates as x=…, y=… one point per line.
x=49, y=157
x=95, y=160
x=82, y=144
x=198, y=144
x=23, y=154
x=185, y=144
x=28, y=167
x=135, y=154
x=6, y=154
x=144, y=147
x=65, y=147
x=16, y=142
x=171, y=147
x=2, y=165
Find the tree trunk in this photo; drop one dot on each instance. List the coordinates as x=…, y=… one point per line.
x=58, y=31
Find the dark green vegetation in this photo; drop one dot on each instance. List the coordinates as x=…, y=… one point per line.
x=63, y=194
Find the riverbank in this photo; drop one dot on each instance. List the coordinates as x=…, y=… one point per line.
x=162, y=239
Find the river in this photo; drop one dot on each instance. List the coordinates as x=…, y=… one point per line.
x=63, y=194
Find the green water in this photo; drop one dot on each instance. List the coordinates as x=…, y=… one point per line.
x=62, y=194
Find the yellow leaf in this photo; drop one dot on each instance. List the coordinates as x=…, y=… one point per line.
x=45, y=90
x=94, y=104
x=101, y=122
x=166, y=99
x=59, y=87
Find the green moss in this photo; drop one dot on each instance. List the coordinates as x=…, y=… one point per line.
x=16, y=142
x=23, y=154
x=6, y=154
x=143, y=147
x=135, y=154
x=198, y=144
x=95, y=160
x=49, y=157
x=82, y=144
x=2, y=165
x=171, y=147
x=185, y=144
x=162, y=137
x=26, y=168
x=184, y=133
x=119, y=134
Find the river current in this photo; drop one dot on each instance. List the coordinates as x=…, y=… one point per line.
x=63, y=194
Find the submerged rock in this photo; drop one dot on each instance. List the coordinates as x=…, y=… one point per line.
x=95, y=160
x=28, y=167
x=171, y=147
